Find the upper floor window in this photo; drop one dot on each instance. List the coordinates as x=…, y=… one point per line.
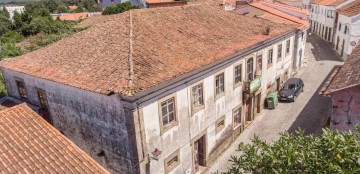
x=237, y=73
x=21, y=89
x=279, y=52
x=259, y=64
x=250, y=69
x=219, y=84
x=270, y=57
x=197, y=96
x=288, y=46
x=168, y=111
x=339, y=26
x=345, y=29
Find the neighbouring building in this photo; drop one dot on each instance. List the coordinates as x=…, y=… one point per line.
x=344, y=89
x=164, y=3
x=323, y=19
x=271, y=12
x=294, y=3
x=290, y=10
x=161, y=90
x=13, y=9
x=31, y=145
x=347, y=33
x=74, y=16
x=107, y=3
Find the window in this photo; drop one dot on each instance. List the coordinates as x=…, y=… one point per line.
x=237, y=73
x=259, y=64
x=339, y=26
x=345, y=30
x=270, y=57
x=220, y=124
x=279, y=52
x=250, y=69
x=237, y=117
x=287, y=46
x=44, y=107
x=21, y=89
x=168, y=111
x=337, y=43
x=197, y=96
x=219, y=84
x=172, y=161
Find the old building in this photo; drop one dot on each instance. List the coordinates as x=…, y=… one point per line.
x=13, y=9
x=30, y=145
x=286, y=15
x=323, y=19
x=161, y=90
x=344, y=89
x=347, y=33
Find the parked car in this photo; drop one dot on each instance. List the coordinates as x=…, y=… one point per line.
x=291, y=89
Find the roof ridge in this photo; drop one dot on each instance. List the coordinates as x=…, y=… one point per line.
x=130, y=60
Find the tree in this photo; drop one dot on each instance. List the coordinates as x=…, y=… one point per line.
x=119, y=8
x=6, y=12
x=62, y=9
x=79, y=9
x=5, y=23
x=331, y=152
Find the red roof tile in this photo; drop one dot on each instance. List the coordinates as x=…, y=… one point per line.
x=166, y=43
x=72, y=7
x=303, y=24
x=350, y=9
x=285, y=6
x=348, y=75
x=328, y=2
x=29, y=144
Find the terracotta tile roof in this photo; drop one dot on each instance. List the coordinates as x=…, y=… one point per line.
x=348, y=75
x=328, y=2
x=28, y=144
x=166, y=43
x=350, y=9
x=285, y=6
x=303, y=24
x=158, y=1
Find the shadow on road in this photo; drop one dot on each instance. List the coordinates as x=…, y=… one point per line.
x=315, y=112
x=318, y=49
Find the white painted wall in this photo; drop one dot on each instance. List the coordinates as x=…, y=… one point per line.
x=352, y=34
x=13, y=9
x=190, y=125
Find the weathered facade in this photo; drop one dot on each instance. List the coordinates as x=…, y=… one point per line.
x=169, y=102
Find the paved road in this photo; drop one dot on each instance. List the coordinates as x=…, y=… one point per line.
x=308, y=112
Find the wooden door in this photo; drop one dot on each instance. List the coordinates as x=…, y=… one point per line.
x=44, y=107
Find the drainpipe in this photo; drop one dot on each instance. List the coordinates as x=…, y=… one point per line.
x=295, y=50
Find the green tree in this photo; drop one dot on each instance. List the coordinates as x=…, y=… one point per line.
x=331, y=152
x=5, y=23
x=6, y=12
x=62, y=9
x=79, y=9
x=119, y=8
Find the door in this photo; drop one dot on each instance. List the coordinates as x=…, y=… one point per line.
x=257, y=104
x=199, y=154
x=342, y=49
x=248, y=110
x=44, y=107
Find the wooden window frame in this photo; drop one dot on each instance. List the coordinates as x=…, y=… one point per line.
x=270, y=57
x=218, y=95
x=169, y=125
x=252, y=69
x=287, y=47
x=168, y=168
x=239, y=83
x=233, y=117
x=21, y=94
x=194, y=108
x=259, y=64
x=279, y=52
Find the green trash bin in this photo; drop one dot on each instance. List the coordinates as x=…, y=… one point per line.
x=271, y=100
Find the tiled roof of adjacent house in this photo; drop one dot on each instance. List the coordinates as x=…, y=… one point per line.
x=328, y=2
x=303, y=24
x=142, y=48
x=28, y=144
x=348, y=75
x=288, y=7
x=350, y=9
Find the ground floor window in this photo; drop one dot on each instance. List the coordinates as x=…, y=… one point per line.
x=236, y=117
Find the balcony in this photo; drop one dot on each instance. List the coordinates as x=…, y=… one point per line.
x=253, y=85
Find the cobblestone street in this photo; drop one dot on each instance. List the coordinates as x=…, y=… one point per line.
x=308, y=112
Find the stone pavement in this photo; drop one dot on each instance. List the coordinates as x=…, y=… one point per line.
x=308, y=112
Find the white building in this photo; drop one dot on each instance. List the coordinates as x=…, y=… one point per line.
x=140, y=97
x=348, y=29
x=13, y=9
x=323, y=17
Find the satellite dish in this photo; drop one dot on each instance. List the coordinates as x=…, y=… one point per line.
x=353, y=43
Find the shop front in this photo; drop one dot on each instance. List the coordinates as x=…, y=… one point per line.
x=252, y=99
